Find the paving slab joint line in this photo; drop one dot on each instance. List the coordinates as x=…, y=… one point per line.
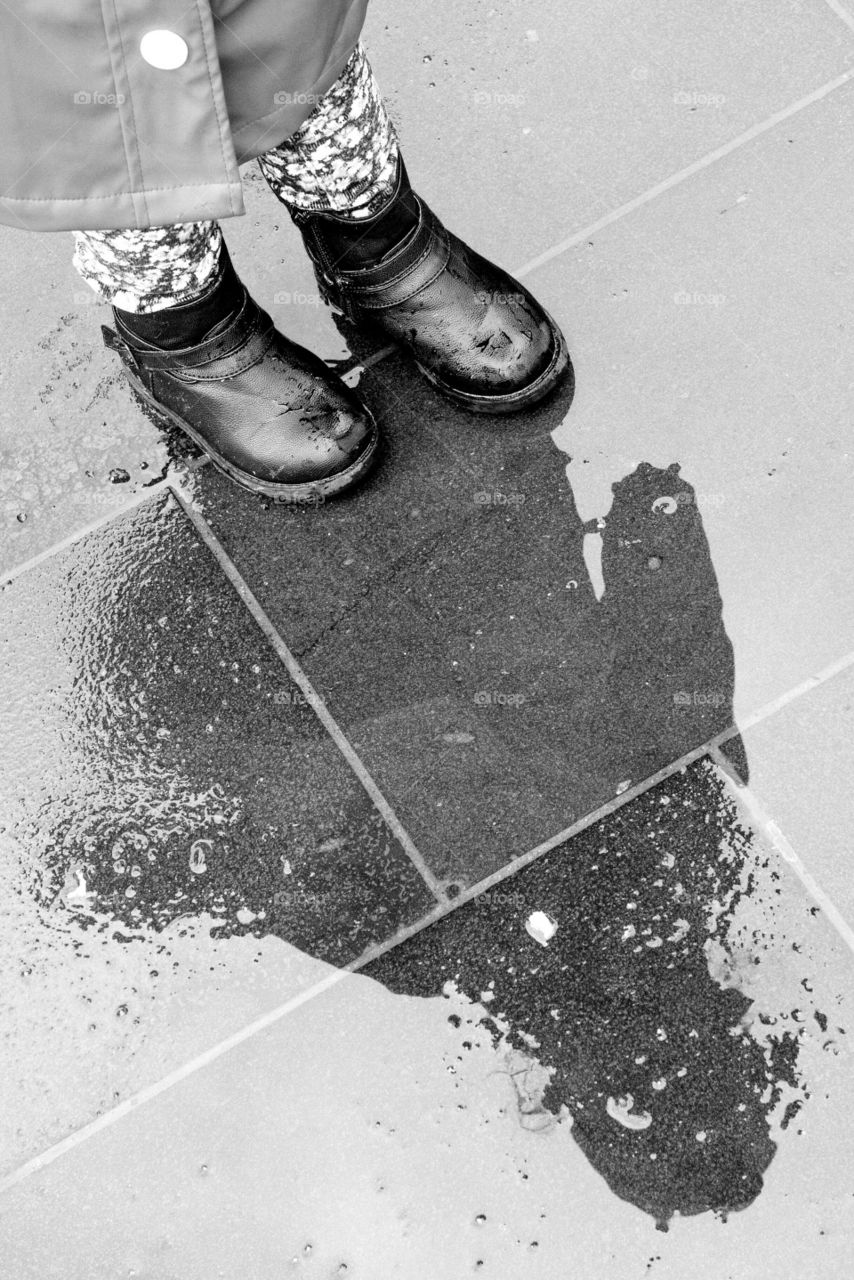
x=148, y=1094
x=353, y=375
x=797, y=691
x=139, y=499
x=92, y=526
x=312, y=697
x=517, y=863
x=841, y=13
x=682, y=175
x=761, y=816
x=443, y=908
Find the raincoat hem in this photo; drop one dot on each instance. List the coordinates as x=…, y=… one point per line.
x=119, y=211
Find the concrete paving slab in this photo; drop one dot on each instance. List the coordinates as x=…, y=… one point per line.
x=159, y=766
x=705, y=330
x=440, y=468
x=801, y=761
x=524, y=122
x=73, y=445
x=586, y=107
x=488, y=1129
x=447, y=613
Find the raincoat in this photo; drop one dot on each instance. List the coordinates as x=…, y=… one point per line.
x=137, y=113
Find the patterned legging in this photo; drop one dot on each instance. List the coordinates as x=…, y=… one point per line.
x=342, y=159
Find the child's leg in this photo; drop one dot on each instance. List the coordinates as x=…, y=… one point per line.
x=145, y=271
x=343, y=158
x=168, y=285
x=200, y=353
x=387, y=262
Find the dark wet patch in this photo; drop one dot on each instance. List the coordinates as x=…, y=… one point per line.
x=445, y=611
x=637, y=1007
x=158, y=762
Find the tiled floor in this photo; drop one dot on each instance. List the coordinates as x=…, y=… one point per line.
x=801, y=764
x=698, y=1066
x=159, y=765
x=494, y=699
x=592, y=105
x=246, y=749
x=719, y=342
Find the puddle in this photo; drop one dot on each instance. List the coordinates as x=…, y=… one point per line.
x=660, y=1016
x=168, y=818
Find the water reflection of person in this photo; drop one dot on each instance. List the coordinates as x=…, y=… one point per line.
x=621, y=676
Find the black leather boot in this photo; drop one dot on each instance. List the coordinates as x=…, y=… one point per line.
x=269, y=413
x=476, y=333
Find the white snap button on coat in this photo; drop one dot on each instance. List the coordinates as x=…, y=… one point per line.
x=164, y=49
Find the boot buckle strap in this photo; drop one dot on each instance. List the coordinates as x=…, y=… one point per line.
x=417, y=265
x=248, y=337
x=242, y=355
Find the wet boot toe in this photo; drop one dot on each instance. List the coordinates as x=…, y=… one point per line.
x=476, y=333
x=269, y=413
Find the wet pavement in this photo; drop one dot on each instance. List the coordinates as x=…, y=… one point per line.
x=643, y=1009
x=495, y=700
x=667, y=1079
x=156, y=735
x=589, y=672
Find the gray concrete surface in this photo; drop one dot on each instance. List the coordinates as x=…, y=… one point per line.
x=184, y=1099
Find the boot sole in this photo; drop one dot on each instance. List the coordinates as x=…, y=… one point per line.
x=513, y=401
x=307, y=493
